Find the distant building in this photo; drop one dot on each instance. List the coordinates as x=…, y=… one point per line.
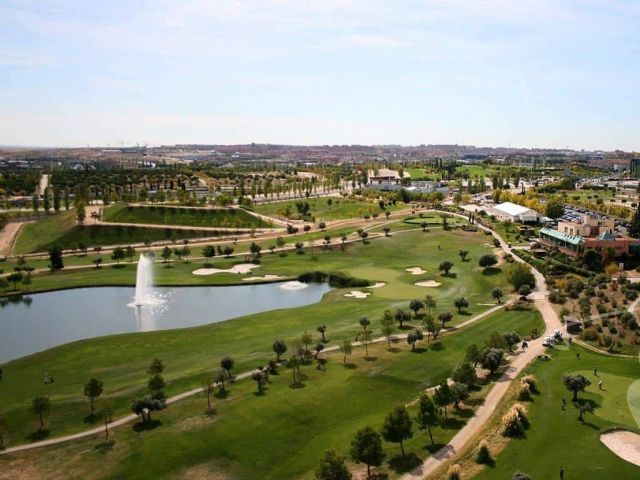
x=591, y=232
x=511, y=212
x=422, y=186
x=634, y=167
x=384, y=175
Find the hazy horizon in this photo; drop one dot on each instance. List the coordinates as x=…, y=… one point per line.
x=546, y=74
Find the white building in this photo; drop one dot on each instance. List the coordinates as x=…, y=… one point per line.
x=511, y=212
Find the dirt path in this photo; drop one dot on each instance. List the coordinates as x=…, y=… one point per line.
x=518, y=362
x=8, y=237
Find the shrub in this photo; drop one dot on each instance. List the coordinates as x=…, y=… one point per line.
x=515, y=421
x=590, y=334
x=484, y=455
x=454, y=472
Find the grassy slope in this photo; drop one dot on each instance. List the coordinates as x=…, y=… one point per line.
x=324, y=414
x=191, y=217
x=556, y=438
x=121, y=361
x=340, y=208
x=61, y=230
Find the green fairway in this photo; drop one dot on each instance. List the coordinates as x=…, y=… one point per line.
x=557, y=438
x=323, y=414
x=61, y=229
x=325, y=208
x=121, y=360
x=190, y=217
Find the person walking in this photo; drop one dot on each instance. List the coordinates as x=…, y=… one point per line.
x=564, y=403
x=561, y=473
x=595, y=371
x=600, y=385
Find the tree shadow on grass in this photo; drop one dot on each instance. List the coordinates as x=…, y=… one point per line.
x=464, y=412
x=297, y=385
x=370, y=359
x=419, y=350
x=104, y=447
x=434, y=448
x=453, y=423
x=450, y=275
x=91, y=418
x=491, y=271
x=474, y=402
x=350, y=366
x=400, y=464
x=222, y=394
x=117, y=267
x=146, y=426
x=394, y=350
x=39, y=435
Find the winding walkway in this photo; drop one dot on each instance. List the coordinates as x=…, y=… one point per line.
x=518, y=362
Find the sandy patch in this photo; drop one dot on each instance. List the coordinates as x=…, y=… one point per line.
x=357, y=294
x=416, y=271
x=240, y=269
x=265, y=277
x=295, y=285
x=624, y=444
x=377, y=285
x=428, y=284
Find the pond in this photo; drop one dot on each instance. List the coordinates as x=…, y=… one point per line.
x=50, y=319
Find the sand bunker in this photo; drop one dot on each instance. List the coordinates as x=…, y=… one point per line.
x=624, y=444
x=295, y=285
x=377, y=285
x=428, y=284
x=416, y=271
x=240, y=268
x=357, y=294
x=266, y=277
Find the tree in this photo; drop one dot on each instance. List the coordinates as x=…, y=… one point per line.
x=280, y=348
x=386, y=229
x=156, y=385
x=524, y=291
x=55, y=258
x=92, y=390
x=97, y=262
x=429, y=303
x=145, y=405
x=519, y=274
x=423, y=226
x=463, y=255
x=397, y=427
x=460, y=303
x=318, y=348
x=332, y=467
x=401, y=316
x=261, y=379
x=4, y=284
x=520, y=476
x=465, y=373
x=364, y=323
x=497, y=294
x=413, y=338
x=255, y=249
x=366, y=448
x=442, y=396
x=208, y=386
x=492, y=359
x=41, y=407
x=80, y=212
x=156, y=367
x=322, y=329
x=473, y=355
x=584, y=407
x=444, y=317
x=346, y=348
x=511, y=339
x=14, y=278
x=388, y=327
x=130, y=252
x=487, y=260
x=227, y=363
x=117, y=254
x=445, y=266
x=322, y=226
x=166, y=254
x=299, y=246
x=459, y=393
x=219, y=377
x=208, y=252
x=306, y=340
x=416, y=305
x=554, y=209
x=428, y=415
x=433, y=328
x=576, y=383
x=227, y=251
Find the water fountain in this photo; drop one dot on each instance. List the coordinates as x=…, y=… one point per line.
x=144, y=282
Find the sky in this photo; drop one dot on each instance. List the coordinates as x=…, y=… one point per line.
x=545, y=73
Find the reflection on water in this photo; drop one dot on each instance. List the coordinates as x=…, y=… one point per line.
x=29, y=324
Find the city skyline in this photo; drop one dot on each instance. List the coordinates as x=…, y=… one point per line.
x=485, y=73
